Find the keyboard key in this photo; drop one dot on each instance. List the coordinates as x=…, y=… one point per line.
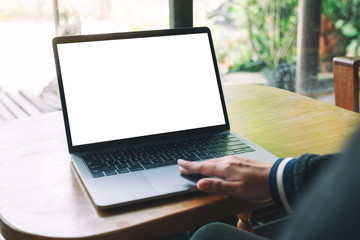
x=239, y=151
x=249, y=149
x=210, y=151
x=122, y=170
x=96, y=170
x=169, y=159
x=97, y=175
x=110, y=173
x=125, y=160
x=220, y=149
x=193, y=158
x=205, y=157
x=121, y=165
x=134, y=169
x=157, y=160
x=134, y=166
x=168, y=163
x=235, y=143
x=105, y=168
x=219, y=155
x=154, y=165
x=145, y=161
x=228, y=153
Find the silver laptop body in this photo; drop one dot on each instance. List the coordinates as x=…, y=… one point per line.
x=129, y=92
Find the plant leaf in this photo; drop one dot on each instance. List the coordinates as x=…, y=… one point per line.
x=349, y=30
x=339, y=23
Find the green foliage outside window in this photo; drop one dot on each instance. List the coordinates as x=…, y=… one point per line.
x=346, y=17
x=270, y=37
x=269, y=29
x=272, y=29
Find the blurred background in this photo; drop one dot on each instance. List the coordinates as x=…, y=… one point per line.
x=256, y=41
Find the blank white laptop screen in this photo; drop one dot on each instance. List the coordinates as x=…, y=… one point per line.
x=118, y=89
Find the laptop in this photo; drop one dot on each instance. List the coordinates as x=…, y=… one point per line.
x=133, y=103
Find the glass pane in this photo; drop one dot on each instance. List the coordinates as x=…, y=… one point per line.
x=26, y=29
x=257, y=40
x=99, y=16
x=252, y=37
x=28, y=26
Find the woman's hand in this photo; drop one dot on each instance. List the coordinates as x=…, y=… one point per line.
x=239, y=177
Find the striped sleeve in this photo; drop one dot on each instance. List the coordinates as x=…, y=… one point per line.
x=289, y=177
x=282, y=182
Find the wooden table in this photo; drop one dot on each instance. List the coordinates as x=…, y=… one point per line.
x=41, y=196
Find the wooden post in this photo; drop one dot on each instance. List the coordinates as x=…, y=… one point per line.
x=181, y=13
x=308, y=46
x=56, y=15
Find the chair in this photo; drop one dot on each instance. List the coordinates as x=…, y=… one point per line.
x=346, y=82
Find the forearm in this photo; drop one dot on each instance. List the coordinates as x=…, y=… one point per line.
x=290, y=177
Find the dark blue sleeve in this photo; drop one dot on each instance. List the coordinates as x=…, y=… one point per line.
x=307, y=167
x=328, y=206
x=283, y=192
x=294, y=178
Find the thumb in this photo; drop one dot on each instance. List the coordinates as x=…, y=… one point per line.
x=215, y=186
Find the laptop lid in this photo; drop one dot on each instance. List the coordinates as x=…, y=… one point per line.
x=128, y=88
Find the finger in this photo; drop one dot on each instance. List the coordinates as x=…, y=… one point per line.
x=188, y=168
x=184, y=171
x=234, y=158
x=184, y=162
x=208, y=168
x=185, y=166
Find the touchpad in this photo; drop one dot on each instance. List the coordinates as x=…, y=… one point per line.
x=168, y=179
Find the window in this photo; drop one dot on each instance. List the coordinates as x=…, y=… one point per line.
x=28, y=26
x=255, y=40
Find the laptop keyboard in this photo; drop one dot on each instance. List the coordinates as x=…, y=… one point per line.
x=133, y=159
